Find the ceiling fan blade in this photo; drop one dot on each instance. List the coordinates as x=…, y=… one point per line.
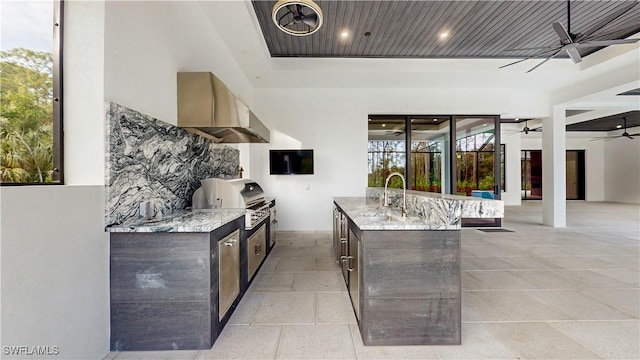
x=607, y=42
x=562, y=33
x=574, y=54
x=614, y=15
x=515, y=62
x=294, y=9
x=311, y=19
x=283, y=16
x=545, y=60
x=611, y=34
x=530, y=57
x=532, y=48
x=630, y=137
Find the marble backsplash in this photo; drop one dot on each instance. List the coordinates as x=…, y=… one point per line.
x=435, y=210
x=149, y=160
x=443, y=208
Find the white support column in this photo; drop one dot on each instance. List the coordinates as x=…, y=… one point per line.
x=554, y=148
x=512, y=140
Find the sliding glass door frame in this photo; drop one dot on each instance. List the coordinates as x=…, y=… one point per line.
x=449, y=153
x=497, y=172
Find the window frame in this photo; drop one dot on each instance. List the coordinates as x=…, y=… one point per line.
x=58, y=129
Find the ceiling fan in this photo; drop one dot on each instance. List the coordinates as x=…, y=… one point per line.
x=526, y=129
x=624, y=134
x=297, y=17
x=570, y=42
x=396, y=132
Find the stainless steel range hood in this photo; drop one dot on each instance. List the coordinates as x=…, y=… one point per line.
x=207, y=107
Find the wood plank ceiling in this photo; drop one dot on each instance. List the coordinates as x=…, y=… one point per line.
x=410, y=29
x=608, y=123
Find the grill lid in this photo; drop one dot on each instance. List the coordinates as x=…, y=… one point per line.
x=251, y=192
x=229, y=193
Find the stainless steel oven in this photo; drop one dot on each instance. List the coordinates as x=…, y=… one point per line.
x=273, y=225
x=256, y=250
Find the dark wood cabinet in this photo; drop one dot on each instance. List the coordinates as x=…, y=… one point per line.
x=404, y=285
x=164, y=289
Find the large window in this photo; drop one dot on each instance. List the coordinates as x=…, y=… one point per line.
x=387, y=151
x=475, y=155
x=430, y=162
x=31, y=92
x=429, y=136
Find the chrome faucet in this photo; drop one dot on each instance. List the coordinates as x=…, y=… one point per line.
x=404, y=192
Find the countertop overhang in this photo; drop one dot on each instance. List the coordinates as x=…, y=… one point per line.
x=361, y=209
x=201, y=220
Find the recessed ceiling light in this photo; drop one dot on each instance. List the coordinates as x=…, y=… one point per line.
x=517, y=119
x=435, y=119
x=618, y=126
x=344, y=34
x=384, y=125
x=484, y=124
x=443, y=35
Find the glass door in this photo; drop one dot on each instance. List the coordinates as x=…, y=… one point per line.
x=575, y=175
x=429, y=141
x=477, y=169
x=531, y=175
x=531, y=165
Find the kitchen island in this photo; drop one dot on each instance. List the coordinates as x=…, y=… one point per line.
x=403, y=272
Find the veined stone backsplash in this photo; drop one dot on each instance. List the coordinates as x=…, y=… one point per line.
x=149, y=160
x=437, y=210
x=441, y=208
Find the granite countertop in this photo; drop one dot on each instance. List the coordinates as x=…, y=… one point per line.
x=201, y=220
x=445, y=206
x=360, y=210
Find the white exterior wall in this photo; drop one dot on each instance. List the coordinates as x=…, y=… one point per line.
x=512, y=141
x=55, y=257
x=55, y=270
x=622, y=170
x=333, y=122
x=148, y=43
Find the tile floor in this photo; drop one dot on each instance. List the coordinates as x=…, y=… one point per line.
x=535, y=293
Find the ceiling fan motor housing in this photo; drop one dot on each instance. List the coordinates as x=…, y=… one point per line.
x=288, y=15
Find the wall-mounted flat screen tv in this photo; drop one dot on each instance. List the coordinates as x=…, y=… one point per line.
x=290, y=162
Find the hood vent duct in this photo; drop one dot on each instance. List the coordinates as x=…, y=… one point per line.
x=207, y=107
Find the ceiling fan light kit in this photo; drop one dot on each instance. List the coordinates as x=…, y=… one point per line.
x=297, y=17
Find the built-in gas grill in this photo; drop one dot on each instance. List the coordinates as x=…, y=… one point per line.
x=233, y=194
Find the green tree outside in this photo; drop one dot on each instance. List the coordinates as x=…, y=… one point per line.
x=26, y=116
